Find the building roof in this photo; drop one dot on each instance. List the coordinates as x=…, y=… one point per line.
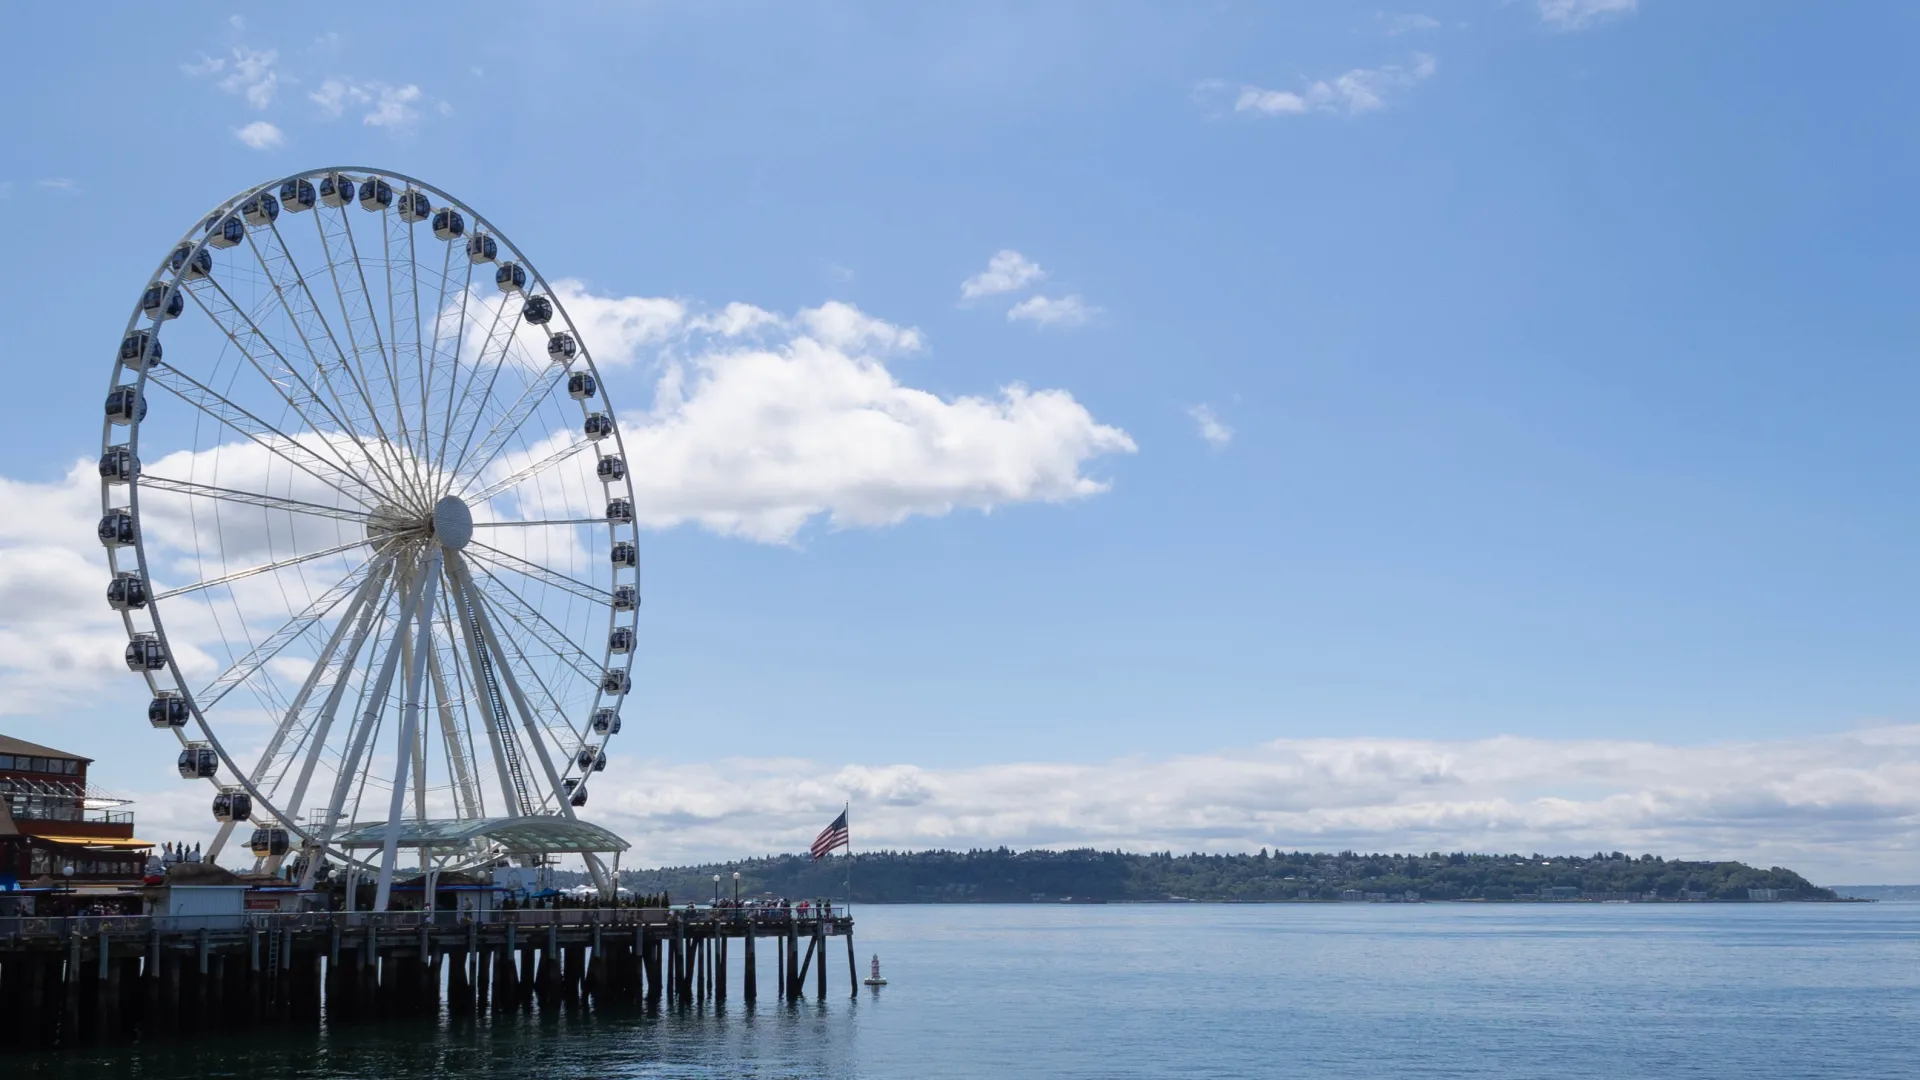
x=11, y=745
x=539, y=833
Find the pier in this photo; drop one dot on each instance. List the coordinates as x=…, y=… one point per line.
x=105, y=978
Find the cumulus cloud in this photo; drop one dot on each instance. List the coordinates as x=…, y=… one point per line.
x=755, y=439
x=1838, y=807
x=1581, y=14
x=57, y=183
x=1007, y=271
x=397, y=108
x=249, y=73
x=1361, y=90
x=1052, y=311
x=261, y=136
x=1209, y=426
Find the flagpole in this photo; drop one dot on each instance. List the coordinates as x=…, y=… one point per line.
x=844, y=807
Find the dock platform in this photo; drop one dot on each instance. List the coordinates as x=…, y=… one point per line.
x=102, y=978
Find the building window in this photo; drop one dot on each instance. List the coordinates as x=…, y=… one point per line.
x=70, y=766
x=42, y=862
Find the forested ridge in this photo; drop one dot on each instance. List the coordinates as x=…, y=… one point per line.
x=1001, y=875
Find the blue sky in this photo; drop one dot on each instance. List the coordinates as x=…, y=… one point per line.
x=1556, y=358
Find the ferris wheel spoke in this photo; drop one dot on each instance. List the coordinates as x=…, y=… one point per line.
x=505, y=672
x=260, y=352
x=296, y=298
x=249, y=498
x=539, y=573
x=263, y=568
x=554, y=717
x=458, y=752
x=536, y=391
x=359, y=321
x=514, y=789
x=479, y=411
x=275, y=441
x=525, y=472
x=403, y=323
x=547, y=523
x=382, y=343
x=361, y=578
x=212, y=299
x=453, y=368
x=430, y=359
x=512, y=606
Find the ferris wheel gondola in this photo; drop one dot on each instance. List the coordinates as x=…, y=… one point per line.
x=382, y=528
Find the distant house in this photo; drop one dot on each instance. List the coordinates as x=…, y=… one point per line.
x=1763, y=894
x=1352, y=896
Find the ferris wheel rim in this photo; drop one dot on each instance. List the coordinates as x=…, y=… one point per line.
x=381, y=559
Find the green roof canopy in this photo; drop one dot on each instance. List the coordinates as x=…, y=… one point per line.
x=539, y=833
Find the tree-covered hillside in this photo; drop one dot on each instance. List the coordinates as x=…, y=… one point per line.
x=1004, y=876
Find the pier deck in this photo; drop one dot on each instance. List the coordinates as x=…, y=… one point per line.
x=100, y=978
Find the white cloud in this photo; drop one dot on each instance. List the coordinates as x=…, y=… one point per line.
x=1209, y=426
x=1006, y=272
x=756, y=441
x=57, y=183
x=252, y=75
x=1360, y=90
x=1580, y=14
x=397, y=108
x=617, y=328
x=1051, y=311
x=1406, y=24
x=261, y=135
x=1840, y=807
x=249, y=74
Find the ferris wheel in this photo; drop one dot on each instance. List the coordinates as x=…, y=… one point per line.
x=370, y=529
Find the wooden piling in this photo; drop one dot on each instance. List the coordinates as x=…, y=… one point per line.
x=853, y=968
x=748, y=991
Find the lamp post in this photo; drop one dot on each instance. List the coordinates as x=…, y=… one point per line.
x=67, y=873
x=736, y=888
x=716, y=890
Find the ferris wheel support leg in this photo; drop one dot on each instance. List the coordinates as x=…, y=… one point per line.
x=598, y=870
x=376, y=703
x=464, y=789
x=318, y=742
x=293, y=713
x=409, y=721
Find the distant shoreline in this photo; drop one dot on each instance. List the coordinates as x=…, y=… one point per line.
x=1001, y=875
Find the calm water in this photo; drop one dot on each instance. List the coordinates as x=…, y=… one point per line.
x=1435, y=990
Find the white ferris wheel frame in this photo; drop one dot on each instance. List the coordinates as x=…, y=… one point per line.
x=364, y=591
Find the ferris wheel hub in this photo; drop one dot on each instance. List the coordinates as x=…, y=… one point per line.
x=452, y=523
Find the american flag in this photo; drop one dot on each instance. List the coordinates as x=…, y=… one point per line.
x=833, y=836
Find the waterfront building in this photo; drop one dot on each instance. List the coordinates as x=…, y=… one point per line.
x=58, y=834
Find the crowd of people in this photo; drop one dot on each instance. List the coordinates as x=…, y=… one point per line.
x=171, y=854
